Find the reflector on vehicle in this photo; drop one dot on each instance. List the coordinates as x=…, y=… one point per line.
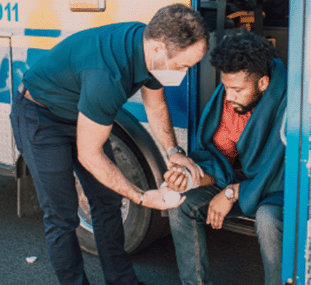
x=87, y=5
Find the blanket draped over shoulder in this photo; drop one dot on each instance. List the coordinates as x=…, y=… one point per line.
x=261, y=151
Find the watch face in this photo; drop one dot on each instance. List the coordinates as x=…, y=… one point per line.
x=229, y=193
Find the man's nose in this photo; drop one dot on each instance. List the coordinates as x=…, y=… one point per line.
x=230, y=95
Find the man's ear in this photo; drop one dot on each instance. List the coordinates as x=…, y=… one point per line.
x=156, y=47
x=263, y=83
x=153, y=50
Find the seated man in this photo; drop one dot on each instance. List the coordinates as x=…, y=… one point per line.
x=241, y=154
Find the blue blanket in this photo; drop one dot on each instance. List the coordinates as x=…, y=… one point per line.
x=261, y=151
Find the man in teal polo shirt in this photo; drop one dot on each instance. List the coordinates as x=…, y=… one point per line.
x=62, y=116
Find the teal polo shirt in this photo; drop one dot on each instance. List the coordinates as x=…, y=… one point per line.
x=94, y=71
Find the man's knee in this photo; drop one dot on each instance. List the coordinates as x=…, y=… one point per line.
x=269, y=220
x=194, y=207
x=180, y=213
x=63, y=219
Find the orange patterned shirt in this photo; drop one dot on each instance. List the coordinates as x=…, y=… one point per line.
x=230, y=128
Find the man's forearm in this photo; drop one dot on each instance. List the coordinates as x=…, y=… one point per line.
x=162, y=128
x=107, y=173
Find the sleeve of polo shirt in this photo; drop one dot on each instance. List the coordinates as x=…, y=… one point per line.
x=101, y=97
x=153, y=84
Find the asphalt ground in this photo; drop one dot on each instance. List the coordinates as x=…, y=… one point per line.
x=235, y=259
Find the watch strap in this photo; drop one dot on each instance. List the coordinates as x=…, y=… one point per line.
x=176, y=149
x=141, y=198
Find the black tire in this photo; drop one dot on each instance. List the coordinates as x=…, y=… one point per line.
x=142, y=226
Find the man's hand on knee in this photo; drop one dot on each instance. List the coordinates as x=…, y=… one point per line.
x=218, y=209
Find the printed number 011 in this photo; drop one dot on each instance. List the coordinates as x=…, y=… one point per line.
x=9, y=11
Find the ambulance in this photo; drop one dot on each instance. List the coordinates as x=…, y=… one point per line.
x=29, y=28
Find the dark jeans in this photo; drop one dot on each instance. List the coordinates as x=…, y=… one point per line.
x=48, y=145
x=188, y=229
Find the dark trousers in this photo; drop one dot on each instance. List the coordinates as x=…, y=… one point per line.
x=48, y=145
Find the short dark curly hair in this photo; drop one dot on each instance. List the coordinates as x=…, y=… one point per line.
x=243, y=51
x=178, y=27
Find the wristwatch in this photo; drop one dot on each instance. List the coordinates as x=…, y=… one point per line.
x=176, y=149
x=229, y=193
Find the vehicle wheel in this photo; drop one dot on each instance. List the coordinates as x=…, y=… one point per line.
x=142, y=226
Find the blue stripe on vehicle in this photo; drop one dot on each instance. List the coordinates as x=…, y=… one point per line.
x=43, y=33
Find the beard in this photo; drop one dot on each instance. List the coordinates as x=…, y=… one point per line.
x=244, y=109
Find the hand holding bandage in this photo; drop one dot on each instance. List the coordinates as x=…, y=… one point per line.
x=183, y=177
x=179, y=179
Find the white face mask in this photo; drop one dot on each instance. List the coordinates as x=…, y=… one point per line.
x=168, y=77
